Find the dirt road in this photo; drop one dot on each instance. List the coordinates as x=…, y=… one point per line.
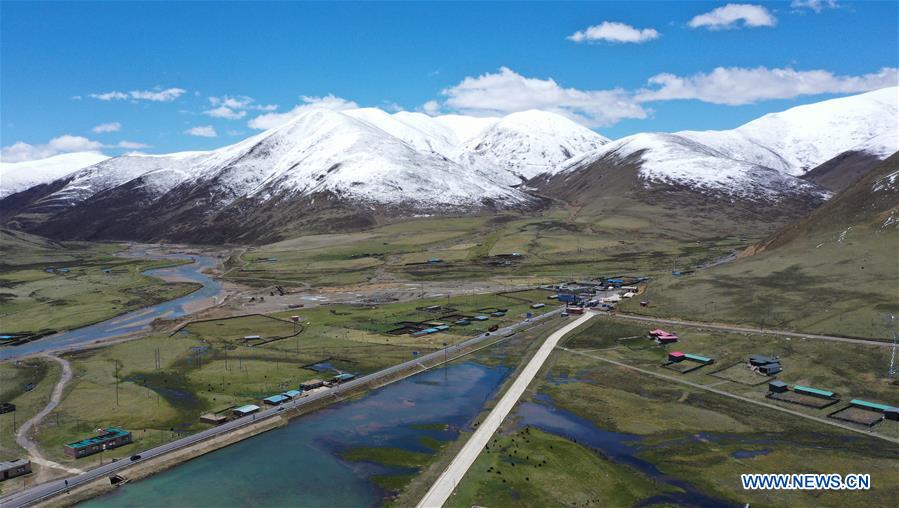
x=22, y=434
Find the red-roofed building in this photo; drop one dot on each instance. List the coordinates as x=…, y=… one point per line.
x=675, y=356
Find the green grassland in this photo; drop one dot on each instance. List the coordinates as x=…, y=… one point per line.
x=850, y=370
x=703, y=438
x=206, y=366
x=14, y=378
x=559, y=243
x=529, y=467
x=694, y=435
x=35, y=301
x=817, y=285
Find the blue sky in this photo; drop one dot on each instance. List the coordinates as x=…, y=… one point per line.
x=167, y=76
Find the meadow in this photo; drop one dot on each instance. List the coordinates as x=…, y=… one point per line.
x=688, y=434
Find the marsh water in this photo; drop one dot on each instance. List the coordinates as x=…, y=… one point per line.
x=136, y=320
x=301, y=464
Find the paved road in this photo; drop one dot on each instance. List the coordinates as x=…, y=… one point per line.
x=45, y=490
x=446, y=483
x=22, y=438
x=741, y=329
x=709, y=388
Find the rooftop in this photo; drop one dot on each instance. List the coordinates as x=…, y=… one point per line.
x=107, y=435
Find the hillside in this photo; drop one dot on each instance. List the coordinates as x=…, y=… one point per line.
x=833, y=272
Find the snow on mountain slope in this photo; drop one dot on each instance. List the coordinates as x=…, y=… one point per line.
x=348, y=155
x=763, y=157
x=800, y=138
x=678, y=160
x=364, y=154
x=528, y=143
x=421, y=134
x=18, y=176
x=159, y=174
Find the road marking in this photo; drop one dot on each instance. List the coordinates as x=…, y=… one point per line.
x=446, y=483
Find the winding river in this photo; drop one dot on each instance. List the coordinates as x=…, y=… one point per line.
x=134, y=321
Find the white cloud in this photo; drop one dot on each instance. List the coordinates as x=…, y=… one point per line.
x=731, y=16
x=225, y=112
x=613, y=31
x=431, y=108
x=204, y=131
x=270, y=120
x=107, y=127
x=737, y=85
x=506, y=92
x=815, y=5
x=167, y=95
x=131, y=145
x=236, y=107
x=66, y=143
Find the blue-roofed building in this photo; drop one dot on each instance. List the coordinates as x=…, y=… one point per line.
x=480, y=318
x=442, y=328
x=498, y=313
x=246, y=410
x=463, y=322
x=292, y=394
x=111, y=437
x=343, y=377
x=275, y=400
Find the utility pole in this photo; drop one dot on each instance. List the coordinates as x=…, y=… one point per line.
x=890, y=323
x=116, y=386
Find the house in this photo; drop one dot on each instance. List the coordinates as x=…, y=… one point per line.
x=480, y=318
x=676, y=356
x=343, y=377
x=498, y=313
x=462, y=322
x=769, y=369
x=699, y=359
x=576, y=310
x=13, y=468
x=814, y=392
x=872, y=406
x=538, y=305
x=666, y=339
x=275, y=400
x=213, y=418
x=892, y=413
x=312, y=383
x=292, y=394
x=777, y=386
x=246, y=410
x=658, y=331
x=108, y=438
x=758, y=360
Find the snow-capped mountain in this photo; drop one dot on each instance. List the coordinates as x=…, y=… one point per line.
x=364, y=154
x=18, y=176
x=528, y=144
x=351, y=167
x=761, y=159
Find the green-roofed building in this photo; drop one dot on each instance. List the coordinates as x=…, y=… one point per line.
x=111, y=437
x=873, y=406
x=700, y=359
x=814, y=392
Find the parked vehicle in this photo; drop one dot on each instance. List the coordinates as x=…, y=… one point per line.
x=135, y=457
